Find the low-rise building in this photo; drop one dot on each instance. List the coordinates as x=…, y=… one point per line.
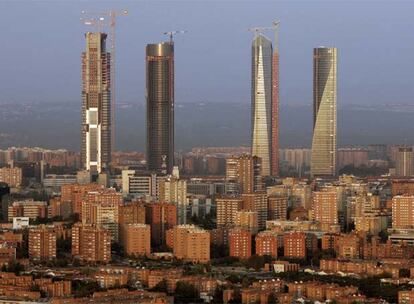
x=11, y=176
x=28, y=208
x=137, y=239
x=240, y=242
x=91, y=243
x=191, y=243
x=42, y=243
x=299, y=244
x=267, y=243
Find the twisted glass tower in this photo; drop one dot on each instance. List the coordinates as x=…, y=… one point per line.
x=262, y=101
x=323, y=160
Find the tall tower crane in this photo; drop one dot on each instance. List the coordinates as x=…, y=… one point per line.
x=171, y=34
x=275, y=27
x=100, y=20
x=259, y=30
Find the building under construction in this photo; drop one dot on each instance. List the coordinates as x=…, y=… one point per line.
x=96, y=104
x=265, y=100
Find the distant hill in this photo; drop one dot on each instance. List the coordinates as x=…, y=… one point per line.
x=210, y=124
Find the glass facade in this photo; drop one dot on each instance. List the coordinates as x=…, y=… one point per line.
x=160, y=107
x=323, y=159
x=262, y=101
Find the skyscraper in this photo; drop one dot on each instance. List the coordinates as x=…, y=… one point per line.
x=323, y=159
x=265, y=103
x=96, y=104
x=160, y=106
x=262, y=101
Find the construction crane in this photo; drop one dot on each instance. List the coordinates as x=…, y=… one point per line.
x=172, y=33
x=275, y=27
x=259, y=30
x=100, y=21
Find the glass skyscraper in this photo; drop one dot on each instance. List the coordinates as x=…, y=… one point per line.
x=262, y=101
x=323, y=159
x=96, y=104
x=160, y=106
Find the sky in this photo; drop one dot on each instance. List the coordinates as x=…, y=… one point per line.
x=42, y=41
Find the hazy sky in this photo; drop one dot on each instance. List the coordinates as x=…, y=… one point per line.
x=41, y=43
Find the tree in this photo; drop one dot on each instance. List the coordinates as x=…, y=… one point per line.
x=404, y=273
x=245, y=282
x=255, y=261
x=218, y=295
x=226, y=261
x=117, y=248
x=237, y=299
x=194, y=269
x=36, y=287
x=363, y=170
x=63, y=247
x=186, y=293
x=206, y=222
x=219, y=251
x=272, y=299
x=82, y=289
x=73, y=218
x=234, y=278
x=15, y=267
x=383, y=234
x=161, y=286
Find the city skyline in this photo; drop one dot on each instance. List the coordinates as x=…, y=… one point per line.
x=204, y=197
x=268, y=157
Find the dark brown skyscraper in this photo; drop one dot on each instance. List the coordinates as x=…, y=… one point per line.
x=96, y=104
x=160, y=106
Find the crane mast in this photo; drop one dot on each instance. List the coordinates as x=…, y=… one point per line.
x=275, y=27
